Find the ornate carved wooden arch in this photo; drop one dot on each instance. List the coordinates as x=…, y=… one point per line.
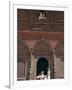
x=42, y=49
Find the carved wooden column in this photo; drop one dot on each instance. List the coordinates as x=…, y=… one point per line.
x=31, y=71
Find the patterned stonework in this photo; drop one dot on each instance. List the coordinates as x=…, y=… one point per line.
x=35, y=35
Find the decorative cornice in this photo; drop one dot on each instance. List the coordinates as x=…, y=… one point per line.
x=36, y=35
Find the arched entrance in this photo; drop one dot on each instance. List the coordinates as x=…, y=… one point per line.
x=42, y=51
x=42, y=65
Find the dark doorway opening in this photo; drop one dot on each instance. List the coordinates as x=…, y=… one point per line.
x=42, y=65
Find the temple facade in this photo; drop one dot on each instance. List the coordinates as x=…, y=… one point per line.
x=40, y=44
